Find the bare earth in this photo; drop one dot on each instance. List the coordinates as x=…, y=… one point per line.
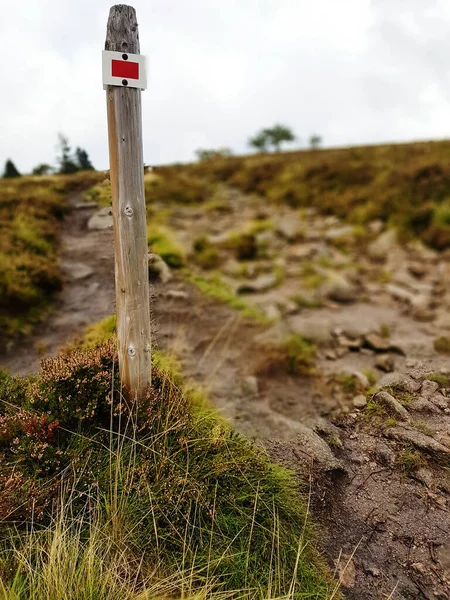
x=387, y=524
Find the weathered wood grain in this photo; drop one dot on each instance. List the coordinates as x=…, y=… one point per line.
x=129, y=214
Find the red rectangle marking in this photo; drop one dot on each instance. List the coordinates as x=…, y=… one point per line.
x=125, y=68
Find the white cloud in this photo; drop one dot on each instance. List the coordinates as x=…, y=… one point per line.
x=354, y=71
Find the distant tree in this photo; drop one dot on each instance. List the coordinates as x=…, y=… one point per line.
x=272, y=136
x=10, y=170
x=42, y=169
x=83, y=161
x=260, y=141
x=279, y=134
x=203, y=154
x=315, y=141
x=65, y=160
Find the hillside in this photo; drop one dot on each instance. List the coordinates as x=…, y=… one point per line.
x=306, y=293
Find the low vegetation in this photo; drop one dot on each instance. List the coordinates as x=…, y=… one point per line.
x=31, y=209
x=405, y=185
x=294, y=356
x=163, y=499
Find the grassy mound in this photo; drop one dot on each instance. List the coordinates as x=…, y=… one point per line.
x=30, y=211
x=100, y=499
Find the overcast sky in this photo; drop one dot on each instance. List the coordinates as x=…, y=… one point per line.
x=353, y=71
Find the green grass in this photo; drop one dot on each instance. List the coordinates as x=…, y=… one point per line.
x=440, y=378
x=100, y=193
x=442, y=344
x=31, y=209
x=161, y=241
x=217, y=288
x=296, y=355
x=160, y=501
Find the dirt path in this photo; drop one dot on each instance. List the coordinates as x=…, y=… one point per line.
x=380, y=477
x=87, y=294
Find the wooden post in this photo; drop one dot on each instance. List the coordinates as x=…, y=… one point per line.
x=129, y=213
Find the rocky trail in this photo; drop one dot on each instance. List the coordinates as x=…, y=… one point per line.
x=370, y=429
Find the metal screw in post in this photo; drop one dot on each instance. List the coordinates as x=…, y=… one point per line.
x=128, y=211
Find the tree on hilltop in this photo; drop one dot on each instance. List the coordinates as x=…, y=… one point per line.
x=315, y=141
x=42, y=169
x=272, y=136
x=65, y=160
x=10, y=170
x=83, y=160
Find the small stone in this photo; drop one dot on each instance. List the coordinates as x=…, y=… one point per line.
x=260, y=284
x=250, y=385
x=102, y=219
x=158, y=269
x=330, y=355
x=338, y=288
x=424, y=406
x=385, y=362
x=177, y=295
x=376, y=226
x=428, y=388
x=400, y=382
x=344, y=234
x=347, y=571
x=391, y=405
x=425, y=476
x=301, y=252
x=418, y=439
x=379, y=249
x=287, y=227
x=399, y=293
x=359, y=401
x=272, y=312
x=439, y=400
x=418, y=269
x=76, y=270
x=376, y=342
x=84, y=205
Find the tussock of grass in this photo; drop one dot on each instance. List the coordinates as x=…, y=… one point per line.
x=442, y=344
x=218, y=289
x=161, y=241
x=295, y=356
x=99, y=193
x=162, y=499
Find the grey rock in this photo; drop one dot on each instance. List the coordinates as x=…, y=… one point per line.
x=313, y=327
x=359, y=401
x=338, y=288
x=425, y=476
x=376, y=342
x=418, y=439
x=316, y=449
x=428, y=388
x=424, y=406
x=250, y=385
x=158, y=269
x=399, y=293
x=176, y=295
x=385, y=362
x=400, y=382
x=301, y=252
x=392, y=406
x=344, y=233
x=84, y=205
x=260, y=284
x=287, y=227
x=76, y=270
x=439, y=400
x=272, y=312
x=379, y=249
x=102, y=219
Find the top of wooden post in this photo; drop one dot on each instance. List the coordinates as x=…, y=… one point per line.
x=122, y=33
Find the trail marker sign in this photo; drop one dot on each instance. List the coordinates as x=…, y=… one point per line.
x=124, y=69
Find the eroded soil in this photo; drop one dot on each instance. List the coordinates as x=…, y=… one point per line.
x=379, y=469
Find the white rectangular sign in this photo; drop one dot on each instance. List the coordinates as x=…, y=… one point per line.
x=124, y=70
